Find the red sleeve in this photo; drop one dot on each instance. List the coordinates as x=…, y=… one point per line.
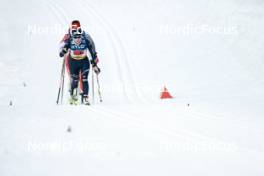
x=66, y=37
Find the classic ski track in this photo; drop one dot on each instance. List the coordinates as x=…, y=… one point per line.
x=209, y=116
x=211, y=119
x=139, y=123
x=121, y=49
x=184, y=134
x=116, y=53
x=117, y=56
x=55, y=8
x=50, y=4
x=62, y=20
x=62, y=12
x=115, y=41
x=176, y=132
x=112, y=113
x=126, y=57
x=194, y=114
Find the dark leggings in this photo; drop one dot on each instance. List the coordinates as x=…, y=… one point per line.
x=79, y=68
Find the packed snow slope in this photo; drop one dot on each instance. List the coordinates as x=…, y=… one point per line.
x=209, y=54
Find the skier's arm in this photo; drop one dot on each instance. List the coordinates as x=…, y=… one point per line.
x=91, y=47
x=64, y=45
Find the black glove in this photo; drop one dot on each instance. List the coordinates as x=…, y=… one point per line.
x=96, y=69
x=94, y=62
x=94, y=56
x=63, y=52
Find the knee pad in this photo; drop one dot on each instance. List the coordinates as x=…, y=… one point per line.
x=74, y=77
x=85, y=73
x=74, y=80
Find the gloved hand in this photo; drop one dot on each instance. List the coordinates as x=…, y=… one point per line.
x=94, y=61
x=63, y=52
x=96, y=69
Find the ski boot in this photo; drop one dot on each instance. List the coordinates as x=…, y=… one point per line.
x=85, y=100
x=74, y=98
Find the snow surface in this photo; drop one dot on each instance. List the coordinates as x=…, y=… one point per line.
x=133, y=132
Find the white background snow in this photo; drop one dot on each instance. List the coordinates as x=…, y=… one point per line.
x=209, y=54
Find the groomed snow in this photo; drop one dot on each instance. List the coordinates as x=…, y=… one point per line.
x=213, y=126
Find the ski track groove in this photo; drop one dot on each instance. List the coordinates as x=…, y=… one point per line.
x=116, y=53
x=119, y=51
x=208, y=116
x=122, y=52
x=191, y=135
x=63, y=20
x=62, y=12
x=112, y=38
x=184, y=134
x=54, y=11
x=126, y=58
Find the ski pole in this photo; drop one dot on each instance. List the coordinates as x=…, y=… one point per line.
x=98, y=88
x=63, y=76
x=93, y=84
x=61, y=81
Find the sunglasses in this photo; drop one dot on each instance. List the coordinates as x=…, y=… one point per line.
x=76, y=31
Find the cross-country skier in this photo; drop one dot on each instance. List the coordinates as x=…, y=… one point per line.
x=73, y=48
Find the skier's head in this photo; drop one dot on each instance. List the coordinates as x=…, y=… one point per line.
x=75, y=28
x=75, y=24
